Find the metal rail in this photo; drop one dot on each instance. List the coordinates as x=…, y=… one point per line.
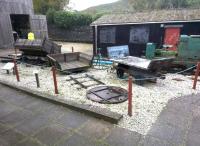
x=91, y=78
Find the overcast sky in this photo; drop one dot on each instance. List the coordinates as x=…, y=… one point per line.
x=84, y=4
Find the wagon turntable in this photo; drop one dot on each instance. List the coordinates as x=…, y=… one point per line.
x=107, y=94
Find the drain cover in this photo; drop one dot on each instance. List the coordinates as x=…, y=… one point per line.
x=107, y=94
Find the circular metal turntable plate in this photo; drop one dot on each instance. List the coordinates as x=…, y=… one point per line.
x=107, y=94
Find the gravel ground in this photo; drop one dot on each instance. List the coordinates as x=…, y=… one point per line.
x=148, y=100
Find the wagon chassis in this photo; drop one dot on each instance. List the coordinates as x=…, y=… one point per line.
x=141, y=69
x=139, y=75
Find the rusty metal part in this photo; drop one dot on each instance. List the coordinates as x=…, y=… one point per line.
x=87, y=78
x=107, y=94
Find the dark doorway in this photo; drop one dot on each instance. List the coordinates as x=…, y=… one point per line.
x=20, y=25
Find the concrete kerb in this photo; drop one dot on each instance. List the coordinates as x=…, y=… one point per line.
x=94, y=111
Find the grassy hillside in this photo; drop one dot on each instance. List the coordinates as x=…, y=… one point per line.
x=116, y=7
x=140, y=5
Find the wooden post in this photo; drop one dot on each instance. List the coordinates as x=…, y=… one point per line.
x=55, y=80
x=37, y=80
x=196, y=75
x=16, y=70
x=130, y=83
x=16, y=51
x=72, y=49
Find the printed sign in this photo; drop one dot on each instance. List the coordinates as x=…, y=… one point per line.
x=115, y=52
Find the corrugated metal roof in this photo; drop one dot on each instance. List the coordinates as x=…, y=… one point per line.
x=148, y=17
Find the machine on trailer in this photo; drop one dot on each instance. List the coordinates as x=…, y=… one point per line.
x=189, y=50
x=141, y=68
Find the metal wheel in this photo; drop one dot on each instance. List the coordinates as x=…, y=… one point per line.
x=139, y=82
x=120, y=73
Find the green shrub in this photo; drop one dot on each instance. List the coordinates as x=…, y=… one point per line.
x=69, y=20
x=50, y=15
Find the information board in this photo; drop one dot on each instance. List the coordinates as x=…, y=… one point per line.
x=115, y=52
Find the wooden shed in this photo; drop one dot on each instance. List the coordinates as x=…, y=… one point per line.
x=17, y=17
x=161, y=27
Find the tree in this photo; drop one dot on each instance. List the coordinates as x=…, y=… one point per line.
x=165, y=4
x=162, y=4
x=42, y=6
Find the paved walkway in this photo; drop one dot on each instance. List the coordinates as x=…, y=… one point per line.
x=179, y=123
x=29, y=121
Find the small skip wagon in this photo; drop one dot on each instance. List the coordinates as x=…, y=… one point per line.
x=70, y=62
x=38, y=47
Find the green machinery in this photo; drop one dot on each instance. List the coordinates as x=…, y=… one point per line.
x=150, y=50
x=188, y=53
x=189, y=50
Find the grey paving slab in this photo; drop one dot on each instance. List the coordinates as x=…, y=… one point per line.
x=175, y=119
x=54, y=112
x=73, y=120
x=23, y=102
x=78, y=140
x=12, y=137
x=195, y=125
x=16, y=117
x=32, y=125
x=3, y=142
x=122, y=137
x=28, y=121
x=51, y=134
x=152, y=141
x=193, y=139
x=37, y=106
x=29, y=142
x=4, y=128
x=96, y=129
x=6, y=109
x=11, y=96
x=179, y=107
x=168, y=133
x=196, y=111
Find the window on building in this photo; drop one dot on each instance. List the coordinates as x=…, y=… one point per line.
x=108, y=35
x=139, y=35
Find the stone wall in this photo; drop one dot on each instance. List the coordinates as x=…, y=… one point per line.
x=81, y=34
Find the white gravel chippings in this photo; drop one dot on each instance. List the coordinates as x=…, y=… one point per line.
x=148, y=100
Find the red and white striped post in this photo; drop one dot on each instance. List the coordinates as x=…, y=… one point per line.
x=130, y=83
x=196, y=75
x=16, y=70
x=55, y=80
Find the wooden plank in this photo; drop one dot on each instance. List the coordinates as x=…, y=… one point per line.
x=16, y=6
x=39, y=26
x=7, y=39
x=73, y=65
